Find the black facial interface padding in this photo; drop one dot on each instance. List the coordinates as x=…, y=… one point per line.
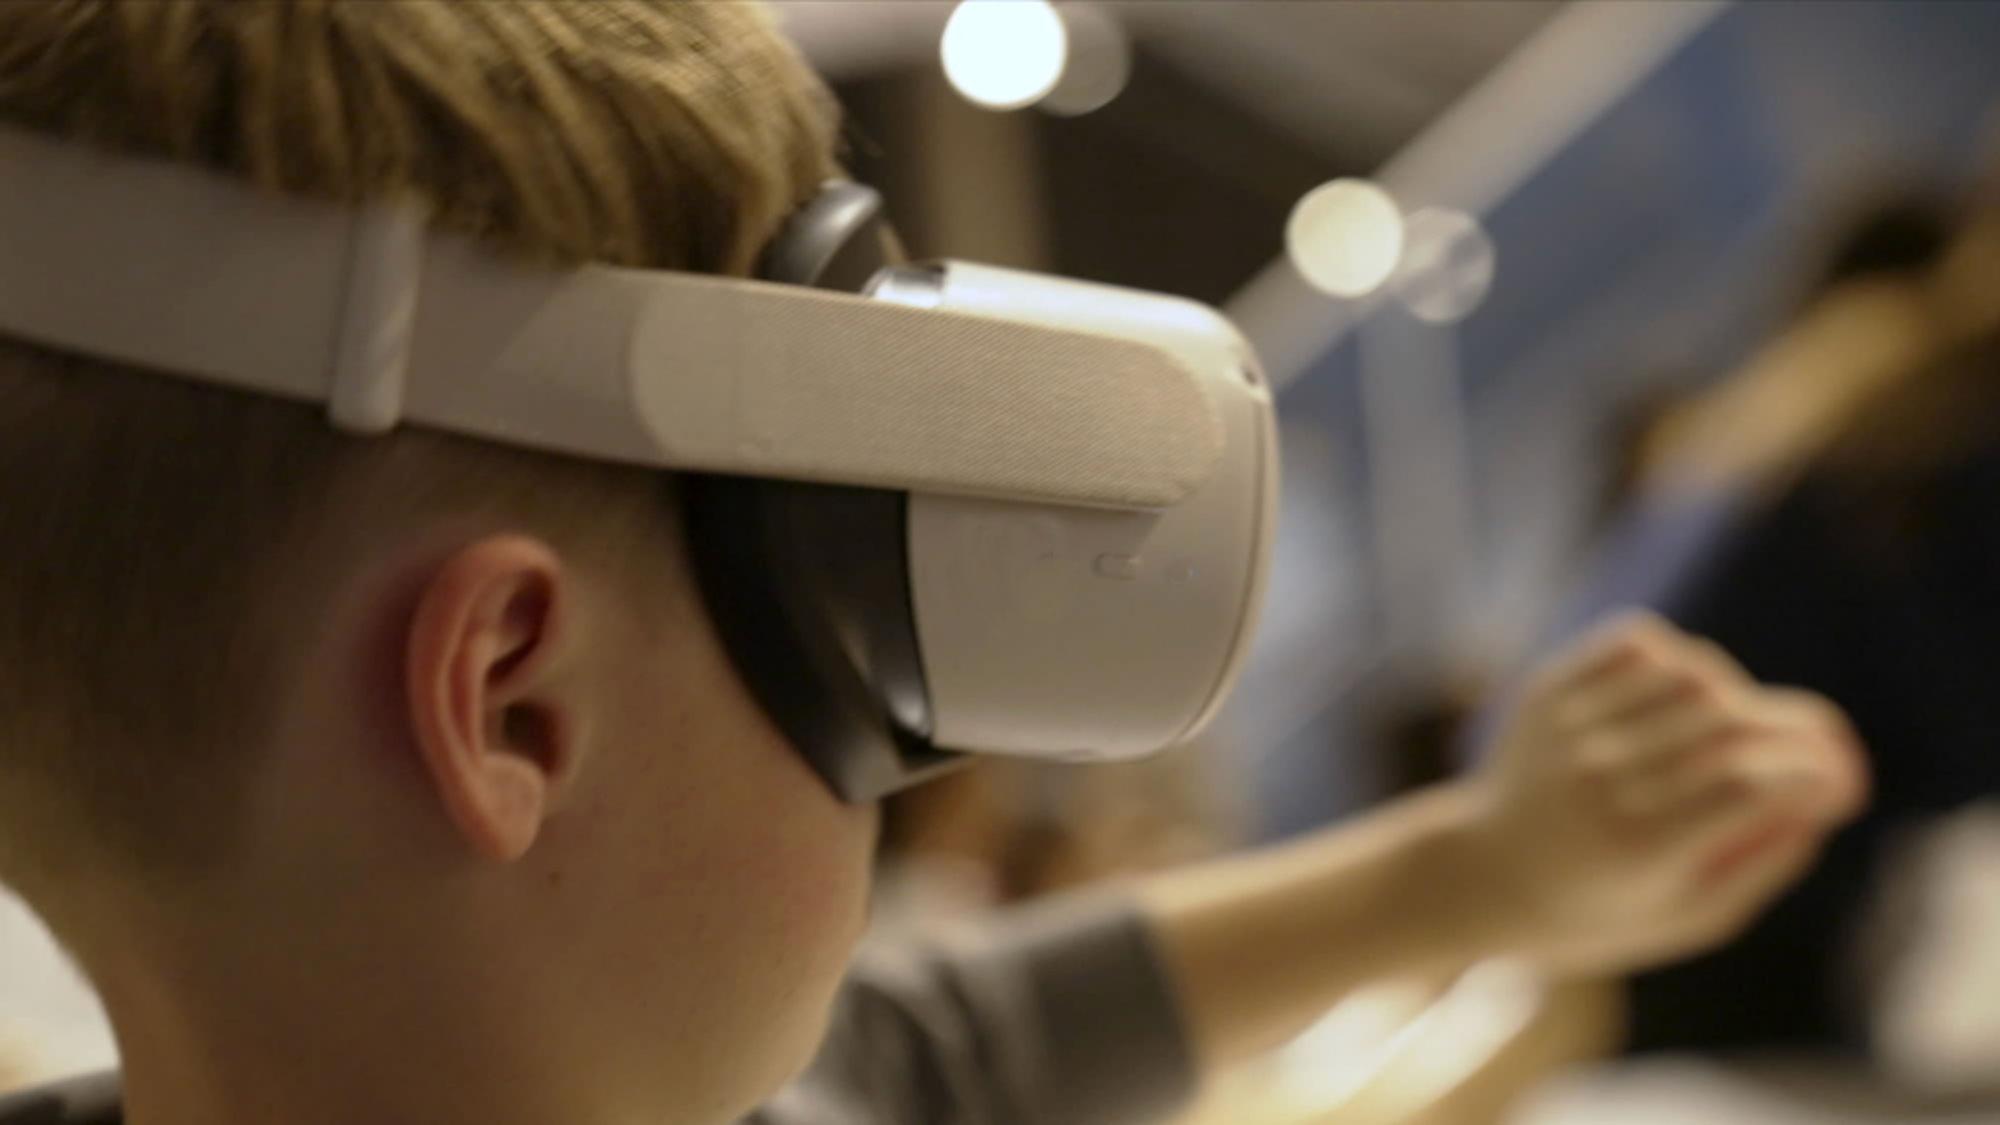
x=809, y=584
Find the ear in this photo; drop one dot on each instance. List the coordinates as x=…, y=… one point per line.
x=496, y=735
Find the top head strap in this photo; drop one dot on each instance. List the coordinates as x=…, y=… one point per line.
x=194, y=274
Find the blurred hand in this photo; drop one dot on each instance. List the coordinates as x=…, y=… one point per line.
x=1647, y=799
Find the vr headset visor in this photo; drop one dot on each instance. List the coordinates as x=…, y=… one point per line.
x=933, y=509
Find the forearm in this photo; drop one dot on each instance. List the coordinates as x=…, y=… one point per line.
x=1639, y=806
x=1260, y=946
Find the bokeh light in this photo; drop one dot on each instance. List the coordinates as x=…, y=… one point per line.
x=1099, y=65
x=1004, y=54
x=1448, y=263
x=1345, y=237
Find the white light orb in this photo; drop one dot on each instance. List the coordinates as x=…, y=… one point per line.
x=1448, y=264
x=1099, y=65
x=1004, y=54
x=1345, y=237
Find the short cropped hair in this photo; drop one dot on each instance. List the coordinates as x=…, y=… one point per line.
x=154, y=568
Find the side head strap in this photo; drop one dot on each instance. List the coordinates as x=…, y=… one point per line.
x=193, y=274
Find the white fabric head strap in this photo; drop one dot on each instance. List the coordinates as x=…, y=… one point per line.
x=193, y=274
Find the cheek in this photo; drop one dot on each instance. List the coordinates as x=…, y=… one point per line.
x=712, y=897
x=744, y=835
x=799, y=860
x=740, y=855
x=771, y=903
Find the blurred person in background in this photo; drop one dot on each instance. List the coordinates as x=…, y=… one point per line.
x=1691, y=469
x=1825, y=514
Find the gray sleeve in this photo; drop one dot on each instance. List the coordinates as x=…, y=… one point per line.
x=1062, y=1015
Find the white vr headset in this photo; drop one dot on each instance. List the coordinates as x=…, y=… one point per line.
x=933, y=509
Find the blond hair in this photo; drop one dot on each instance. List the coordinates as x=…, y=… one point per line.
x=148, y=526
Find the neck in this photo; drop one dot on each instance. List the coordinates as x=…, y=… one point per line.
x=308, y=1032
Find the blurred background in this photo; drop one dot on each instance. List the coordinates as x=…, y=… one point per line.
x=1573, y=305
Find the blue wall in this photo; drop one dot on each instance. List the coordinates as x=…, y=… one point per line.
x=1657, y=244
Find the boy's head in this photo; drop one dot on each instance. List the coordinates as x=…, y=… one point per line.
x=412, y=731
